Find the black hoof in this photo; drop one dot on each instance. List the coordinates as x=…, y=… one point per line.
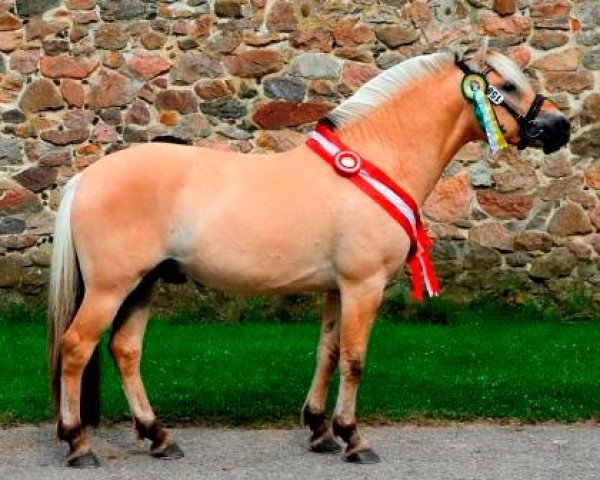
x=325, y=445
x=365, y=456
x=172, y=452
x=87, y=460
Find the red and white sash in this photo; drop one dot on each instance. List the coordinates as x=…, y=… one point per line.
x=393, y=199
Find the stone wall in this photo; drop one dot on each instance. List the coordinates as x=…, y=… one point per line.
x=82, y=78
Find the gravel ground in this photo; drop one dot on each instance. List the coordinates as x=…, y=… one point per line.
x=471, y=451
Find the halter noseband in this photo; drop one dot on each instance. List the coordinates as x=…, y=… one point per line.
x=528, y=130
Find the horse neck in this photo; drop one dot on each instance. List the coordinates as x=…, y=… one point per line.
x=413, y=136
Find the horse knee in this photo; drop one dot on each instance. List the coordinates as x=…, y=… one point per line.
x=73, y=350
x=126, y=356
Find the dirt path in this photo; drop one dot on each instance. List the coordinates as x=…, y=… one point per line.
x=407, y=452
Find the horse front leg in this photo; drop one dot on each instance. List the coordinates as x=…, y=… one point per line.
x=313, y=412
x=359, y=306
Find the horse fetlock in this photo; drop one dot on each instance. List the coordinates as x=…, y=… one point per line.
x=160, y=437
x=347, y=432
x=69, y=434
x=315, y=420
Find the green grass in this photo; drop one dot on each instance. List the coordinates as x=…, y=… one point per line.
x=440, y=361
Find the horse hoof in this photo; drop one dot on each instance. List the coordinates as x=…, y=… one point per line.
x=171, y=452
x=87, y=460
x=325, y=445
x=365, y=456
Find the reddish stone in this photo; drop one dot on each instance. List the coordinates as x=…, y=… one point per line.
x=113, y=60
x=565, y=60
x=39, y=96
x=224, y=41
x=581, y=249
x=10, y=40
x=558, y=165
x=491, y=235
x=18, y=200
x=182, y=101
x=279, y=140
x=573, y=82
x=396, y=35
x=560, y=189
x=104, y=133
x=347, y=33
x=505, y=7
x=255, y=39
x=200, y=28
x=147, y=66
x=24, y=61
x=548, y=39
x=110, y=89
x=418, y=13
x=78, y=118
x=89, y=149
x=180, y=27
x=192, y=67
x=503, y=205
x=153, y=40
x=138, y=114
x=170, y=118
x=590, y=110
x=213, y=89
x=280, y=114
x=552, y=14
x=228, y=8
x=36, y=179
x=470, y=153
x=520, y=55
x=254, y=63
x=591, y=174
x=450, y=200
x=110, y=37
x=530, y=240
x=65, y=137
x=312, y=39
x=67, y=67
x=356, y=74
x=81, y=4
x=20, y=242
x=9, y=22
x=73, y=93
x=570, y=219
x=496, y=26
x=281, y=17
x=85, y=18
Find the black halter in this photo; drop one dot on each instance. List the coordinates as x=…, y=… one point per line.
x=528, y=129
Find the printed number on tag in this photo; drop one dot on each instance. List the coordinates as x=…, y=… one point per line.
x=494, y=95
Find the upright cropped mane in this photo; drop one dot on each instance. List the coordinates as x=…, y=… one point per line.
x=385, y=85
x=388, y=83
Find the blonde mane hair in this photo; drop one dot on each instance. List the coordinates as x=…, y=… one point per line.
x=387, y=84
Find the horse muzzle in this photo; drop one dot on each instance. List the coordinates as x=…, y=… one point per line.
x=548, y=131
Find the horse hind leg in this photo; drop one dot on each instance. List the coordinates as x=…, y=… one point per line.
x=78, y=344
x=313, y=412
x=359, y=306
x=126, y=349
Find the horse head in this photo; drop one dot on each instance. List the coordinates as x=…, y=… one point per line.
x=525, y=118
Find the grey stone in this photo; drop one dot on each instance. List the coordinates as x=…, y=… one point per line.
x=517, y=259
x=231, y=131
x=558, y=263
x=480, y=174
x=192, y=126
x=111, y=10
x=11, y=151
x=285, y=88
x=134, y=135
x=2, y=64
x=10, y=271
x=26, y=8
x=224, y=108
x=10, y=225
x=588, y=38
x=192, y=67
x=315, y=65
x=389, y=59
x=13, y=116
x=591, y=59
x=112, y=115
x=482, y=258
x=587, y=143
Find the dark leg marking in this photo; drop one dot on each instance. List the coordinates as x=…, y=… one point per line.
x=356, y=368
x=321, y=440
x=74, y=436
x=162, y=445
x=354, y=452
x=347, y=433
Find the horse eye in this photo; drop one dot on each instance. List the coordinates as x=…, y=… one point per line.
x=509, y=87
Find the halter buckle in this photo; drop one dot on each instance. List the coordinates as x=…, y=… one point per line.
x=347, y=163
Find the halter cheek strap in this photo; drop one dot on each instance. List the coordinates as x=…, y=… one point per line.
x=528, y=130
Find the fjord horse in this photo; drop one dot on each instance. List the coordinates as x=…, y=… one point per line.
x=262, y=224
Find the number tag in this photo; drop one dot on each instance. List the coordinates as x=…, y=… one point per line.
x=494, y=95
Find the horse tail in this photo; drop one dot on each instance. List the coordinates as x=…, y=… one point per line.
x=65, y=296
